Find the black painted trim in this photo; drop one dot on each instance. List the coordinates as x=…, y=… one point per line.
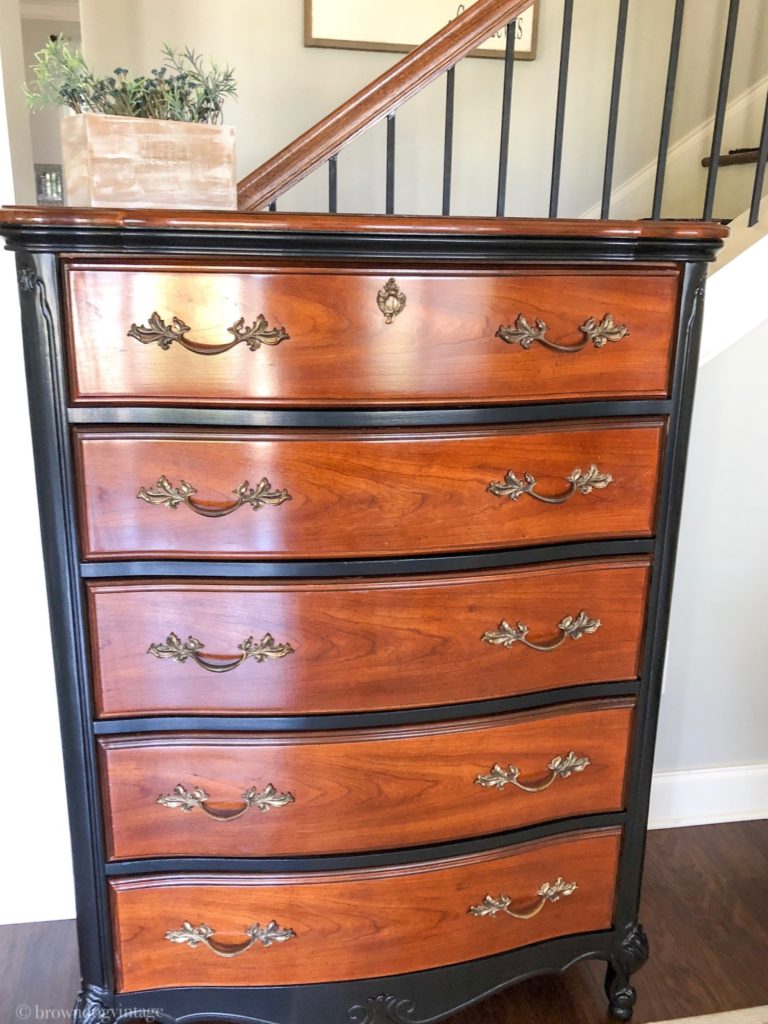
x=660, y=595
x=363, y=720
x=326, y=245
x=423, y=997
x=39, y=296
x=371, y=418
x=368, y=566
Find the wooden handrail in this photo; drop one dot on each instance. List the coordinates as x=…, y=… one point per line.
x=408, y=77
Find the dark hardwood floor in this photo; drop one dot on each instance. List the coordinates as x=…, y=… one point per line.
x=705, y=909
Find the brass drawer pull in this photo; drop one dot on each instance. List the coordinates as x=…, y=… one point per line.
x=559, y=768
x=262, y=800
x=176, y=649
x=571, y=628
x=549, y=892
x=513, y=487
x=391, y=301
x=193, y=937
x=158, y=332
x=524, y=334
x=164, y=493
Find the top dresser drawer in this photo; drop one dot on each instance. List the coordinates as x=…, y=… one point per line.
x=300, y=335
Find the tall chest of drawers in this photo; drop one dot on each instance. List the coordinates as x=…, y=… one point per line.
x=359, y=538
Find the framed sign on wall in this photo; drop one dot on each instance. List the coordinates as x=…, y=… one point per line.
x=401, y=25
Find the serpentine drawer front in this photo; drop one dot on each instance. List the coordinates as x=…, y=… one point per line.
x=221, y=335
x=298, y=929
x=279, y=795
x=359, y=537
x=242, y=647
x=325, y=494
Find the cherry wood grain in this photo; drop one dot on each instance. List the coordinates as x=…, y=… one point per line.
x=363, y=493
x=361, y=645
x=441, y=349
x=358, y=923
x=388, y=91
x=361, y=789
x=376, y=224
x=716, y=942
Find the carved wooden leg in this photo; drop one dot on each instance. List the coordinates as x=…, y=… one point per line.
x=631, y=954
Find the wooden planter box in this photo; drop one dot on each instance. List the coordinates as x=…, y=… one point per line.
x=139, y=162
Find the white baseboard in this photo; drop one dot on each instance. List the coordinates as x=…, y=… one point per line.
x=704, y=796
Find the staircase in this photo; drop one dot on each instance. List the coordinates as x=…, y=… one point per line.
x=628, y=159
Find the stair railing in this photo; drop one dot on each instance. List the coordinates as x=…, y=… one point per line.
x=376, y=101
x=438, y=55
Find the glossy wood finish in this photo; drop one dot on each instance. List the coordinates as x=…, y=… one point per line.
x=395, y=86
x=74, y=219
x=354, y=924
x=441, y=349
x=361, y=645
x=476, y=250
x=717, y=944
x=365, y=493
x=360, y=790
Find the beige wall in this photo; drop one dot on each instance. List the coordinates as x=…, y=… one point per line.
x=285, y=87
x=14, y=107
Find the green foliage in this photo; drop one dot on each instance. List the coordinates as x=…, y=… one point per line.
x=181, y=89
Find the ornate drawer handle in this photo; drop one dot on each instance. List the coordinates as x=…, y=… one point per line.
x=164, y=493
x=158, y=332
x=571, y=627
x=549, y=892
x=263, y=800
x=203, y=936
x=525, y=334
x=513, y=487
x=559, y=768
x=391, y=301
x=176, y=649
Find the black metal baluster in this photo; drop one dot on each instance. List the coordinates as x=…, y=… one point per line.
x=762, y=159
x=450, y=83
x=333, y=185
x=722, y=99
x=391, y=163
x=562, y=87
x=613, y=116
x=669, y=102
x=506, y=109
x=273, y=206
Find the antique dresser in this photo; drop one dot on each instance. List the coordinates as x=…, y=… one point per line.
x=360, y=537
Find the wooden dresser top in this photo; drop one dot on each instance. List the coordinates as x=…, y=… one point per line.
x=512, y=227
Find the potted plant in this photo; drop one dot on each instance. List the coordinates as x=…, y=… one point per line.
x=155, y=140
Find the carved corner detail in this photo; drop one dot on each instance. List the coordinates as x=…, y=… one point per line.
x=631, y=953
x=383, y=1009
x=91, y=1007
x=27, y=279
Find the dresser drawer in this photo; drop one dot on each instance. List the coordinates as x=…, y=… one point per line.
x=325, y=494
x=265, y=930
x=223, y=335
x=252, y=795
x=292, y=648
